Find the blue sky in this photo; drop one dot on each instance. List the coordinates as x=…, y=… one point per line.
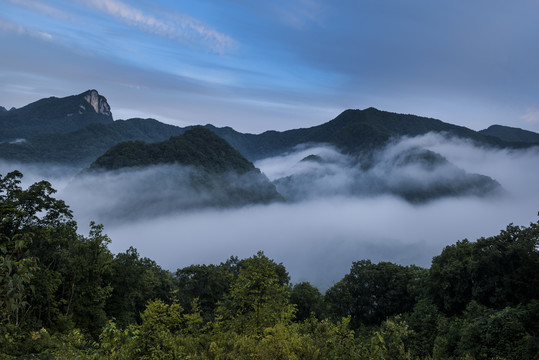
x=259, y=65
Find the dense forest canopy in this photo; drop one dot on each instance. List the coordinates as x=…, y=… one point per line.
x=64, y=295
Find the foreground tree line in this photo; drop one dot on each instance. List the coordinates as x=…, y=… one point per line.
x=64, y=296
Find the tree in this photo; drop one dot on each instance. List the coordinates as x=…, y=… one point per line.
x=497, y=271
x=372, y=292
x=135, y=281
x=26, y=216
x=256, y=300
x=207, y=283
x=308, y=300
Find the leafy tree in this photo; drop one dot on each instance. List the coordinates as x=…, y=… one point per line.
x=497, y=271
x=207, y=283
x=372, y=292
x=26, y=215
x=308, y=300
x=135, y=281
x=256, y=300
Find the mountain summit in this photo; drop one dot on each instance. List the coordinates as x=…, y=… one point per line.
x=98, y=103
x=55, y=115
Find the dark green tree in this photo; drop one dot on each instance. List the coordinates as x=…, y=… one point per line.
x=497, y=271
x=256, y=300
x=372, y=292
x=135, y=281
x=208, y=283
x=308, y=301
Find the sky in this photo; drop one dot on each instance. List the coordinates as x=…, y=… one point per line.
x=282, y=64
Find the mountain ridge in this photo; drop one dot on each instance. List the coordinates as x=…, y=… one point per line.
x=55, y=115
x=197, y=147
x=511, y=134
x=353, y=131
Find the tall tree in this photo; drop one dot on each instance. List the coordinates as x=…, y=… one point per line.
x=372, y=292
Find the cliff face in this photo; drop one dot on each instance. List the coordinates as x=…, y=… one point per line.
x=99, y=103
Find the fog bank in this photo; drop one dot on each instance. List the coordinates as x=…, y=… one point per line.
x=316, y=237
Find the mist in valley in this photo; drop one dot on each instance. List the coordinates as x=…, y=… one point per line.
x=338, y=210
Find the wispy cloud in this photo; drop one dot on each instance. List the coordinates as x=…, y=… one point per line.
x=531, y=115
x=6, y=26
x=176, y=26
x=299, y=13
x=40, y=7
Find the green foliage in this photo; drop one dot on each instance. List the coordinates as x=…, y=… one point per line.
x=207, y=283
x=197, y=147
x=372, y=292
x=478, y=301
x=497, y=271
x=308, y=301
x=134, y=282
x=256, y=300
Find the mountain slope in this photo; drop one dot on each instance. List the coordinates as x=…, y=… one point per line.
x=55, y=115
x=353, y=131
x=197, y=147
x=412, y=173
x=195, y=170
x=82, y=147
x=77, y=129
x=511, y=134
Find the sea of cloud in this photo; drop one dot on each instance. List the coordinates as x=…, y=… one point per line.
x=317, y=237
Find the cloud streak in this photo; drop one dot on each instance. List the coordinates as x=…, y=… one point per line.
x=177, y=26
x=41, y=8
x=7, y=26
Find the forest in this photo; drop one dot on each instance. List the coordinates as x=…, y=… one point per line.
x=64, y=295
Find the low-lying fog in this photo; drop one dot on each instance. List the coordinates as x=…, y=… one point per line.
x=326, y=228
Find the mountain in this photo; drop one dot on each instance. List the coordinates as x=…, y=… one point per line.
x=80, y=148
x=195, y=170
x=197, y=147
x=511, y=134
x=55, y=115
x=2, y=109
x=353, y=131
x=414, y=174
x=77, y=129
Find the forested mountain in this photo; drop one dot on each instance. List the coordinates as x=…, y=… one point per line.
x=55, y=115
x=195, y=170
x=512, y=134
x=78, y=129
x=353, y=131
x=197, y=147
x=82, y=147
x=414, y=174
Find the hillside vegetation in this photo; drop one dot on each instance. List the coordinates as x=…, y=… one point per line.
x=64, y=295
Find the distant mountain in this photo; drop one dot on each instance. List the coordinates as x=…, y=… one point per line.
x=196, y=170
x=55, y=115
x=77, y=129
x=2, y=109
x=197, y=147
x=82, y=147
x=511, y=134
x=353, y=131
x=414, y=174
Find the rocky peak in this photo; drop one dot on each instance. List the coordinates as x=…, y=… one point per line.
x=99, y=103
